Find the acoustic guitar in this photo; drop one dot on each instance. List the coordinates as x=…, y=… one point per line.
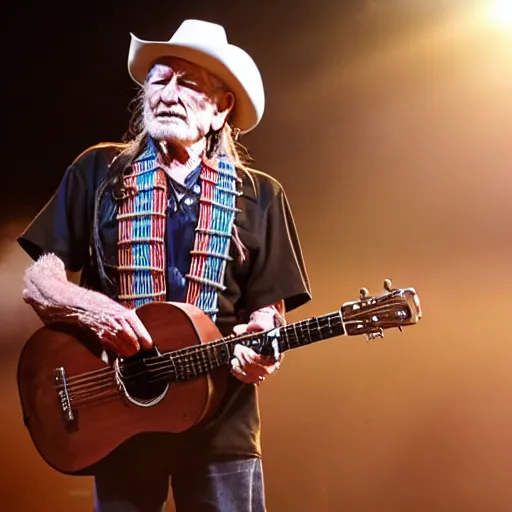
x=79, y=406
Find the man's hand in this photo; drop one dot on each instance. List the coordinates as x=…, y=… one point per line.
x=120, y=330
x=55, y=299
x=247, y=365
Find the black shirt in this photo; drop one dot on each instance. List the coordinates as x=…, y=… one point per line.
x=273, y=271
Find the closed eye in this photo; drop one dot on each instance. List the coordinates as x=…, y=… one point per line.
x=191, y=84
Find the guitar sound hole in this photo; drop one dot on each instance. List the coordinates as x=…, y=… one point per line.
x=139, y=378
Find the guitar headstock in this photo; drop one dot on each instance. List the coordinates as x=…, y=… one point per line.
x=396, y=308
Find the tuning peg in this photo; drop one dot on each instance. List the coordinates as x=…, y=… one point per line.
x=387, y=285
x=363, y=293
x=373, y=335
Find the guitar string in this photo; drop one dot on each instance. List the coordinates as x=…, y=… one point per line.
x=88, y=383
x=162, y=362
x=81, y=398
x=192, y=350
x=161, y=373
x=87, y=376
x=109, y=387
x=86, y=396
x=188, y=362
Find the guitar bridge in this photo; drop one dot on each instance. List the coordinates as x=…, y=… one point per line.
x=63, y=394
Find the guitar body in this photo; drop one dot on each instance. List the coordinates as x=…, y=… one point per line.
x=102, y=416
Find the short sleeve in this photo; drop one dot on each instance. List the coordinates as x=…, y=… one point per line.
x=279, y=272
x=62, y=227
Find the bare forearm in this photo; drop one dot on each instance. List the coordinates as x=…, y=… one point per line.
x=55, y=299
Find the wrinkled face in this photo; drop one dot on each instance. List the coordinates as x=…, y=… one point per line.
x=183, y=102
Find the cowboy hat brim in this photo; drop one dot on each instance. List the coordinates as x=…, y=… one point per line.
x=232, y=65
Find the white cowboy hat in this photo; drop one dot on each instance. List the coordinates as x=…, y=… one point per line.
x=206, y=45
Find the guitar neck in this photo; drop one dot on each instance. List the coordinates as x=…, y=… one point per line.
x=193, y=361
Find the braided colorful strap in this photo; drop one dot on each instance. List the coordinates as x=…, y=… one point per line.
x=210, y=255
x=141, y=235
x=141, y=231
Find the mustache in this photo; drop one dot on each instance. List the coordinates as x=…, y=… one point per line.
x=170, y=112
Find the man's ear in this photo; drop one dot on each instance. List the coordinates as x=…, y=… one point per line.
x=224, y=107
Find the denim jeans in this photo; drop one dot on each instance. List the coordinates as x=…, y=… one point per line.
x=222, y=486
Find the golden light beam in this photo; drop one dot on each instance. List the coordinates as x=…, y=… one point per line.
x=499, y=12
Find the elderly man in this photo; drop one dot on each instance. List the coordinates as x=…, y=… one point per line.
x=174, y=214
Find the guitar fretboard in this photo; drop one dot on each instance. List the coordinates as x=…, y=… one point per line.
x=311, y=330
x=194, y=361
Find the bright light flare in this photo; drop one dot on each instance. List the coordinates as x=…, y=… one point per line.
x=500, y=13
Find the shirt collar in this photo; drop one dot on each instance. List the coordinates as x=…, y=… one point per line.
x=151, y=153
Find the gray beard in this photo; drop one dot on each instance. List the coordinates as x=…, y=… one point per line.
x=172, y=134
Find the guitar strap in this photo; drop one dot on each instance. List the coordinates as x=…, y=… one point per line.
x=142, y=217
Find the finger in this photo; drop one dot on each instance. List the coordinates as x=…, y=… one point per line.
x=111, y=336
x=272, y=368
x=247, y=355
x=240, y=329
x=109, y=346
x=252, y=371
x=141, y=332
x=236, y=367
x=255, y=327
x=124, y=337
x=254, y=365
x=238, y=372
x=128, y=332
x=120, y=344
x=243, y=375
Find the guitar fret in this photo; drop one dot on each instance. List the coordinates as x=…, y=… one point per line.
x=301, y=339
x=296, y=339
x=195, y=362
x=216, y=357
x=312, y=330
x=186, y=367
x=368, y=316
x=308, y=335
x=199, y=360
x=204, y=360
x=318, y=326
